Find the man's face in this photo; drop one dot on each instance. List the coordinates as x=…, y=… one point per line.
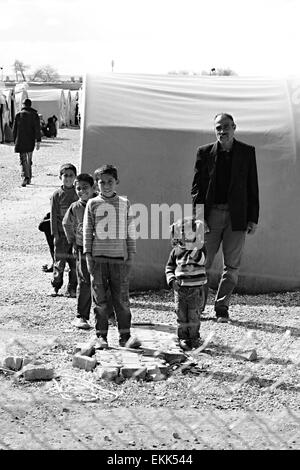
x=224, y=129
x=84, y=190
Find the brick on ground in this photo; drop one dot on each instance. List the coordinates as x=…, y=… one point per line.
x=38, y=372
x=138, y=373
x=85, y=349
x=107, y=373
x=84, y=362
x=13, y=362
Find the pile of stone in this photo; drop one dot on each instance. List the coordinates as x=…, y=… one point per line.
x=27, y=367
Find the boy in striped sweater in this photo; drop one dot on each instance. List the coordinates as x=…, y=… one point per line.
x=109, y=244
x=185, y=273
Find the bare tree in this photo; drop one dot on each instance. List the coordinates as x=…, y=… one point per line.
x=45, y=73
x=20, y=67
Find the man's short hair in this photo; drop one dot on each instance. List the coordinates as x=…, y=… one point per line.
x=67, y=166
x=86, y=178
x=229, y=116
x=106, y=170
x=27, y=103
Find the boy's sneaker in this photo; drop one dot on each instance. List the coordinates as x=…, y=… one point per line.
x=71, y=293
x=133, y=342
x=81, y=323
x=101, y=343
x=184, y=344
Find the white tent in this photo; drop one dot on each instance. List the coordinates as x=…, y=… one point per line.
x=20, y=96
x=67, y=95
x=49, y=102
x=150, y=127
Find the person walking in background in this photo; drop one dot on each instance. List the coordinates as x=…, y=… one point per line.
x=61, y=200
x=226, y=182
x=27, y=136
x=186, y=275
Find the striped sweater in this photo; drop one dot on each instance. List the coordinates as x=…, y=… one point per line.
x=187, y=267
x=108, y=227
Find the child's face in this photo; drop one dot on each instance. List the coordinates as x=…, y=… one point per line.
x=84, y=190
x=107, y=185
x=68, y=178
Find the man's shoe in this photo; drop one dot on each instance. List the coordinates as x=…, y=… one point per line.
x=222, y=315
x=81, y=323
x=101, y=343
x=24, y=182
x=184, y=344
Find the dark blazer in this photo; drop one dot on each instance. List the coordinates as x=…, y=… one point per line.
x=26, y=130
x=243, y=196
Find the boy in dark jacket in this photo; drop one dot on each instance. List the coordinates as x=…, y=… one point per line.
x=185, y=273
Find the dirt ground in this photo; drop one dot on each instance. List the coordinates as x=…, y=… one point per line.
x=231, y=404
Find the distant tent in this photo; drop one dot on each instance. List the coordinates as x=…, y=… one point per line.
x=10, y=99
x=49, y=102
x=20, y=95
x=74, y=107
x=67, y=95
x=151, y=126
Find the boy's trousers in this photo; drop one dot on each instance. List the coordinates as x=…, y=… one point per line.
x=114, y=276
x=188, y=307
x=84, y=295
x=62, y=255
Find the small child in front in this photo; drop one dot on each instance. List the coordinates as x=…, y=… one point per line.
x=185, y=273
x=109, y=244
x=72, y=225
x=61, y=200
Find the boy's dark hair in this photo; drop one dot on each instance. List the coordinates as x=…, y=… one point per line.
x=84, y=177
x=106, y=170
x=67, y=166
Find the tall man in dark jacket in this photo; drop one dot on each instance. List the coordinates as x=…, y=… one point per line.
x=225, y=181
x=27, y=135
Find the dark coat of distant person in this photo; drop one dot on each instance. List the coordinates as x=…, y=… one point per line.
x=26, y=130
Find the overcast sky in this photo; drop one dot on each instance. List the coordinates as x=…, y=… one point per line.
x=254, y=37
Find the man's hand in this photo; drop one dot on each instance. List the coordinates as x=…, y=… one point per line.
x=37, y=145
x=90, y=263
x=251, y=228
x=55, y=239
